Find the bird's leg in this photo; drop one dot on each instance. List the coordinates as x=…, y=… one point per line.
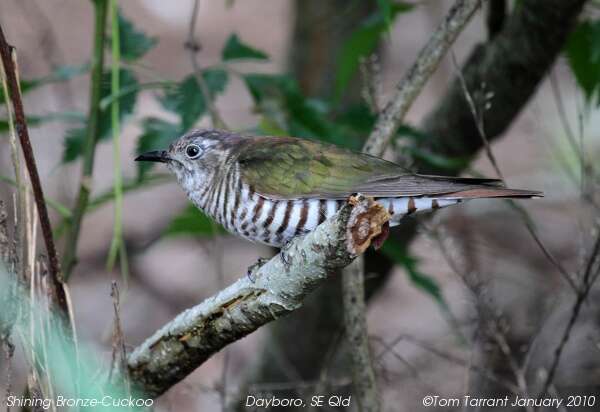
x=252, y=269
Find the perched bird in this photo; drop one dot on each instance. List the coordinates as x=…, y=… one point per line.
x=271, y=189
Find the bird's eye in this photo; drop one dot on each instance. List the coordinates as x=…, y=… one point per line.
x=193, y=151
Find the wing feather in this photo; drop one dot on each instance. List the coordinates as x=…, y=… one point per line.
x=292, y=168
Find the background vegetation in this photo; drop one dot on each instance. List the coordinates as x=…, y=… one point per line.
x=485, y=299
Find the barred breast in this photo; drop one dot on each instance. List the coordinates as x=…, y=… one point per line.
x=242, y=211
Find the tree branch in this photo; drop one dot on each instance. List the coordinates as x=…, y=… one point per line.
x=355, y=320
x=495, y=17
x=511, y=66
x=8, y=66
x=278, y=288
x=411, y=85
x=387, y=123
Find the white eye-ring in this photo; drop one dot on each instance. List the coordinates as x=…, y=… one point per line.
x=193, y=151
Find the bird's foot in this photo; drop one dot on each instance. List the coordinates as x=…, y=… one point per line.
x=252, y=269
x=284, y=252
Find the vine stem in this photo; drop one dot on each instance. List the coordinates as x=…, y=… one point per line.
x=89, y=152
x=116, y=248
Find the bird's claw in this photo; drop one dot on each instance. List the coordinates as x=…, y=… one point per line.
x=254, y=267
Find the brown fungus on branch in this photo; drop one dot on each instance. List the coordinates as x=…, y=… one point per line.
x=366, y=223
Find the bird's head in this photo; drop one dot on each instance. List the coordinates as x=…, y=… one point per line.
x=196, y=156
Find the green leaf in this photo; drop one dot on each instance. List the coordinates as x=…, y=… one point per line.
x=186, y=99
x=192, y=222
x=126, y=102
x=73, y=144
x=583, y=54
x=395, y=251
x=362, y=43
x=282, y=103
x=74, y=140
x=235, y=49
x=157, y=135
x=452, y=164
x=385, y=8
x=133, y=42
x=264, y=86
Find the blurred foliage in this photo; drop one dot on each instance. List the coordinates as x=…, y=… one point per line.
x=395, y=251
x=583, y=54
x=75, y=138
x=235, y=49
x=133, y=42
x=407, y=144
x=278, y=101
x=65, y=371
x=157, y=135
x=186, y=99
x=280, y=105
x=60, y=74
x=192, y=222
x=364, y=41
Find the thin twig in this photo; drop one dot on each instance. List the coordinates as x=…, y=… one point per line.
x=385, y=127
x=533, y=232
x=370, y=70
x=411, y=85
x=194, y=48
x=8, y=62
x=450, y=358
x=562, y=115
x=588, y=279
x=118, y=367
x=477, y=116
x=16, y=162
x=89, y=150
x=491, y=319
x=217, y=122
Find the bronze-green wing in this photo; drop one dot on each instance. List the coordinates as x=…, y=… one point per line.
x=292, y=168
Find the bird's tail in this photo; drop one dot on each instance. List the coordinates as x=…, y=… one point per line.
x=466, y=188
x=485, y=192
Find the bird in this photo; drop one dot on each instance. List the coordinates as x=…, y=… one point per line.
x=271, y=189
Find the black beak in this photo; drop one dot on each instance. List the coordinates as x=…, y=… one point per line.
x=155, y=156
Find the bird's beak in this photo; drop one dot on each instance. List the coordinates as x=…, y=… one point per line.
x=155, y=156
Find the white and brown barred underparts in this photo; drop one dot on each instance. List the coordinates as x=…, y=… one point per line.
x=243, y=211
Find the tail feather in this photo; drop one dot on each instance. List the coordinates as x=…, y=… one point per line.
x=492, y=192
x=468, y=180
